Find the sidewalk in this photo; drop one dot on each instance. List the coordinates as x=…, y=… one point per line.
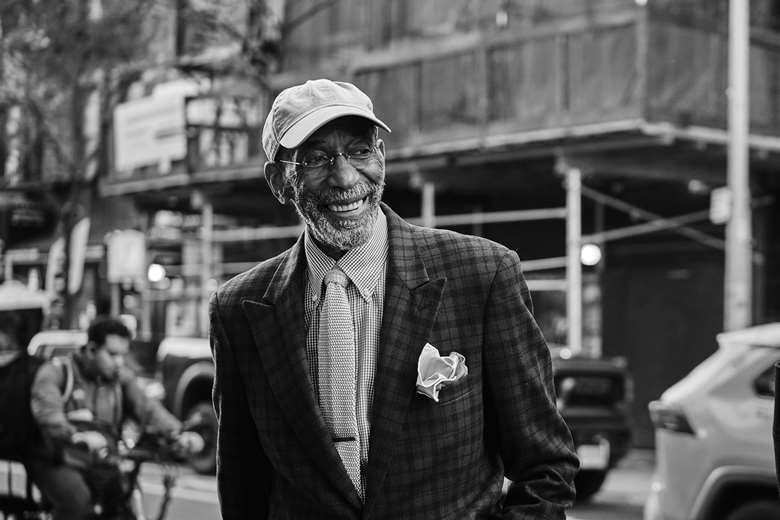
x=629, y=482
x=638, y=459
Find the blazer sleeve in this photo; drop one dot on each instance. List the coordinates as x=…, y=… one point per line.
x=243, y=471
x=534, y=441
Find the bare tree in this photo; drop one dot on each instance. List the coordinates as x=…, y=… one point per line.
x=65, y=65
x=58, y=81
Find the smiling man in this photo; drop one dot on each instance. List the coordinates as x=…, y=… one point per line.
x=339, y=204
x=378, y=369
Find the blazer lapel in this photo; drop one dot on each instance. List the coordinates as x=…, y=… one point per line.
x=278, y=328
x=411, y=304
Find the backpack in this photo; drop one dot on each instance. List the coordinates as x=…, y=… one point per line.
x=18, y=428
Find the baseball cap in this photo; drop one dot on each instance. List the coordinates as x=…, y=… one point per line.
x=298, y=111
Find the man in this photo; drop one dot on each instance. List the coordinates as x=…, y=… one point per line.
x=77, y=398
x=17, y=371
x=447, y=386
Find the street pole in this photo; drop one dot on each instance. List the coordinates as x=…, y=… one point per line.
x=206, y=274
x=573, y=265
x=738, y=283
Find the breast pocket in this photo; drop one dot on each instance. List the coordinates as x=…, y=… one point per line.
x=455, y=391
x=458, y=411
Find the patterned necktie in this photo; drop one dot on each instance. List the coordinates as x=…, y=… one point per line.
x=337, y=373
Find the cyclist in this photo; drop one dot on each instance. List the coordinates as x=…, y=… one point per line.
x=96, y=387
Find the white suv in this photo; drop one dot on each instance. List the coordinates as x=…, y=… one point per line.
x=714, y=452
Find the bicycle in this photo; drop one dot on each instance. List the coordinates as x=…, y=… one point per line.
x=127, y=503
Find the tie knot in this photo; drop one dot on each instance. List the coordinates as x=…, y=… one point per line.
x=336, y=276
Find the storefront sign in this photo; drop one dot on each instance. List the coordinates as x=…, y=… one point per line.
x=126, y=256
x=149, y=131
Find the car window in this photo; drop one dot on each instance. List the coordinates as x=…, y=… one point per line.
x=764, y=384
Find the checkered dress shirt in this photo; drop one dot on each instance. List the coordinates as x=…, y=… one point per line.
x=366, y=267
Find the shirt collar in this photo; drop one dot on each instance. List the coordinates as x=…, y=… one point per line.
x=363, y=264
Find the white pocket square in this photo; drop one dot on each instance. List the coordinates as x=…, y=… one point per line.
x=435, y=372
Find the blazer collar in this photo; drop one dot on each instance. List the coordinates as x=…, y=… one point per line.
x=412, y=302
x=405, y=261
x=278, y=328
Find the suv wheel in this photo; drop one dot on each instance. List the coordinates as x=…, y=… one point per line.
x=757, y=510
x=588, y=482
x=202, y=414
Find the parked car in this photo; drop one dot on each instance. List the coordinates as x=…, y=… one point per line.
x=594, y=397
x=714, y=453
x=186, y=370
x=61, y=342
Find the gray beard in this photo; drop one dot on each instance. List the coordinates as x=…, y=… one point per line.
x=346, y=234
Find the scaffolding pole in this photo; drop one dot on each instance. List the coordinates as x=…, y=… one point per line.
x=428, y=209
x=738, y=283
x=573, y=265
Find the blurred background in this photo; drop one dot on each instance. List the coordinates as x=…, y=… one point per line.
x=600, y=139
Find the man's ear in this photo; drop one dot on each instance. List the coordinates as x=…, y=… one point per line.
x=275, y=177
x=380, y=145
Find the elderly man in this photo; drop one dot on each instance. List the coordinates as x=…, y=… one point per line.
x=378, y=369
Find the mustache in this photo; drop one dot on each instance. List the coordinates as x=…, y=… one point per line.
x=337, y=196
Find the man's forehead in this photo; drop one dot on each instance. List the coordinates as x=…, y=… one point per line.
x=117, y=343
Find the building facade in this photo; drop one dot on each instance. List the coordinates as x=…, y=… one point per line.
x=497, y=108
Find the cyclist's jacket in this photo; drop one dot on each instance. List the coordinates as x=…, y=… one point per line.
x=60, y=390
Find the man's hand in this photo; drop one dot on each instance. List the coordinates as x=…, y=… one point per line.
x=188, y=443
x=96, y=442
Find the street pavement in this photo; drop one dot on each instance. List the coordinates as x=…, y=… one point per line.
x=195, y=497
x=624, y=492
x=622, y=497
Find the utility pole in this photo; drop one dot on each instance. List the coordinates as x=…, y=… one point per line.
x=738, y=283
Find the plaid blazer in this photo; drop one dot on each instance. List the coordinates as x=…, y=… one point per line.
x=427, y=460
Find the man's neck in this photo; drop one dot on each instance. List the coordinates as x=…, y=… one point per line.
x=331, y=251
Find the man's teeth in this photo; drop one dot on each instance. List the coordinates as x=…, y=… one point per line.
x=345, y=207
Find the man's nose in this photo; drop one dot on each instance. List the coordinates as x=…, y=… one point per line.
x=343, y=174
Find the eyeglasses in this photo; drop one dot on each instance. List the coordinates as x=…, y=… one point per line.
x=318, y=159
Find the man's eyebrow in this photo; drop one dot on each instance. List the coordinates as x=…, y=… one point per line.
x=312, y=143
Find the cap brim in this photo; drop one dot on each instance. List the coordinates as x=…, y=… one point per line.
x=310, y=123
